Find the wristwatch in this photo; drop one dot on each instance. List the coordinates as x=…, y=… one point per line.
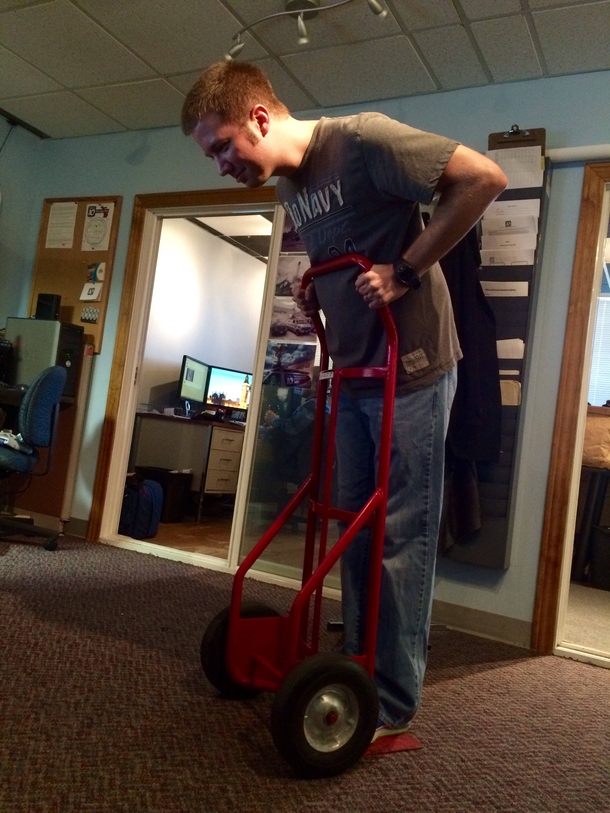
x=406, y=274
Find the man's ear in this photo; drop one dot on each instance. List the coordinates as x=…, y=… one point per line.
x=259, y=116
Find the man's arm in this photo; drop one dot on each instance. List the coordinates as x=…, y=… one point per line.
x=469, y=183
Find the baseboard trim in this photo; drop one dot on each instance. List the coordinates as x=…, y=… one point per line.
x=481, y=623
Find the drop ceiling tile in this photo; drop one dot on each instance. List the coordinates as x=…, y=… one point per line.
x=19, y=78
x=352, y=23
x=536, y=4
x=286, y=89
x=5, y=5
x=60, y=115
x=176, y=36
x=345, y=74
x=451, y=56
x=508, y=49
x=479, y=9
x=416, y=14
x=575, y=39
x=138, y=105
x=184, y=81
x=60, y=40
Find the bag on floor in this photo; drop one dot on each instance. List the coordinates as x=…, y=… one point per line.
x=141, y=510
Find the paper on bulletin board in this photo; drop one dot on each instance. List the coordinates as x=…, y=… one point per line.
x=60, y=228
x=97, y=227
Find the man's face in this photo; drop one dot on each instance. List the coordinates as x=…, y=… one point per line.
x=237, y=150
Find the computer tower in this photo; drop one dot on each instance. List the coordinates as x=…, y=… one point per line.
x=41, y=343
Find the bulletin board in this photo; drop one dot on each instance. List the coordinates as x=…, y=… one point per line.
x=74, y=259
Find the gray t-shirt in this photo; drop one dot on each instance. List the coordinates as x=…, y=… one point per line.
x=357, y=190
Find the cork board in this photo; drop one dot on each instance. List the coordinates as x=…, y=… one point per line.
x=74, y=259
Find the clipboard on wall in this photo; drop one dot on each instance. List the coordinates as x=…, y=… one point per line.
x=516, y=137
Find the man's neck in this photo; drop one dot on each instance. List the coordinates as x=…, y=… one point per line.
x=293, y=137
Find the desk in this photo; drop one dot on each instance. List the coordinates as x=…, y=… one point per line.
x=211, y=449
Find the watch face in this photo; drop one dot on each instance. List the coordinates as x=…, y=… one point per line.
x=406, y=274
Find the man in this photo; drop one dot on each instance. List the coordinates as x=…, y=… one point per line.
x=353, y=184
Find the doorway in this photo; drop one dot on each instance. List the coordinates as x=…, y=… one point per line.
x=552, y=598
x=150, y=211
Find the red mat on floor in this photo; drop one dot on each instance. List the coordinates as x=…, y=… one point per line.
x=389, y=745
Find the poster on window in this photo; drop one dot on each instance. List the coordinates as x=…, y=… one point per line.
x=290, y=270
x=289, y=324
x=289, y=365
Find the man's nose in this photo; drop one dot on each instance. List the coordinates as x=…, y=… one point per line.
x=224, y=167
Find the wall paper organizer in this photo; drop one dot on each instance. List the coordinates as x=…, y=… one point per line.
x=512, y=233
x=74, y=259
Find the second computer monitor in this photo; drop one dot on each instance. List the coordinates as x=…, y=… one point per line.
x=229, y=388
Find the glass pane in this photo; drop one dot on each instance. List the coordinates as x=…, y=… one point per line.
x=285, y=420
x=588, y=609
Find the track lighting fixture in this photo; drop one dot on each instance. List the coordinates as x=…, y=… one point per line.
x=302, y=10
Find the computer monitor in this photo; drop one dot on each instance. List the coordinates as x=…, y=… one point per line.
x=229, y=388
x=194, y=377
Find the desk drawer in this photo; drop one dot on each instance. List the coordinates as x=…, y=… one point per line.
x=223, y=460
x=226, y=439
x=221, y=482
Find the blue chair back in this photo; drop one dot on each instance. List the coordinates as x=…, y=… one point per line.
x=35, y=420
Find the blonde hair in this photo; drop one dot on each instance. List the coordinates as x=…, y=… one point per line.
x=229, y=89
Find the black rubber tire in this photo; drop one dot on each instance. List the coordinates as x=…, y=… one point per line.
x=293, y=715
x=214, y=651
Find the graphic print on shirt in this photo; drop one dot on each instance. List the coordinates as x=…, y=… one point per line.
x=322, y=219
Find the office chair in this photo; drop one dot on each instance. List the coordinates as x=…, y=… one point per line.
x=35, y=430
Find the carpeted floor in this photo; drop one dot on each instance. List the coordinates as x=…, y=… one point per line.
x=104, y=708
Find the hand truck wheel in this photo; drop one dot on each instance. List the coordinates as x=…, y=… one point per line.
x=214, y=650
x=324, y=715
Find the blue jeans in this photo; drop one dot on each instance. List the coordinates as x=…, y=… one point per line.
x=412, y=525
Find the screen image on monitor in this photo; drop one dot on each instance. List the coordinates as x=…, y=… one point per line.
x=229, y=388
x=194, y=378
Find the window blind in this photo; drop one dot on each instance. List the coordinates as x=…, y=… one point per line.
x=599, y=380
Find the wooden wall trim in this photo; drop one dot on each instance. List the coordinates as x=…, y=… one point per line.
x=142, y=205
x=563, y=450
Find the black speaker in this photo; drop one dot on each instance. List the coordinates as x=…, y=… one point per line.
x=47, y=306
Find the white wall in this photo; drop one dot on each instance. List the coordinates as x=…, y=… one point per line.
x=206, y=304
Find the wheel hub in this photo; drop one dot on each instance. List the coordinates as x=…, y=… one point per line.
x=331, y=718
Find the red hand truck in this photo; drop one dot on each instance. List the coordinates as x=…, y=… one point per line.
x=326, y=706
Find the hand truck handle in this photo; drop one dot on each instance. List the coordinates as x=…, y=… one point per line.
x=335, y=265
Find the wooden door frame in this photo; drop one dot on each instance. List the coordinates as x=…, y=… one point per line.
x=569, y=401
x=143, y=205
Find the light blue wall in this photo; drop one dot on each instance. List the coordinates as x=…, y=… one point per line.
x=574, y=111
x=20, y=211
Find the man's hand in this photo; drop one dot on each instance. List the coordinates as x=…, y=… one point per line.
x=307, y=300
x=270, y=416
x=379, y=286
